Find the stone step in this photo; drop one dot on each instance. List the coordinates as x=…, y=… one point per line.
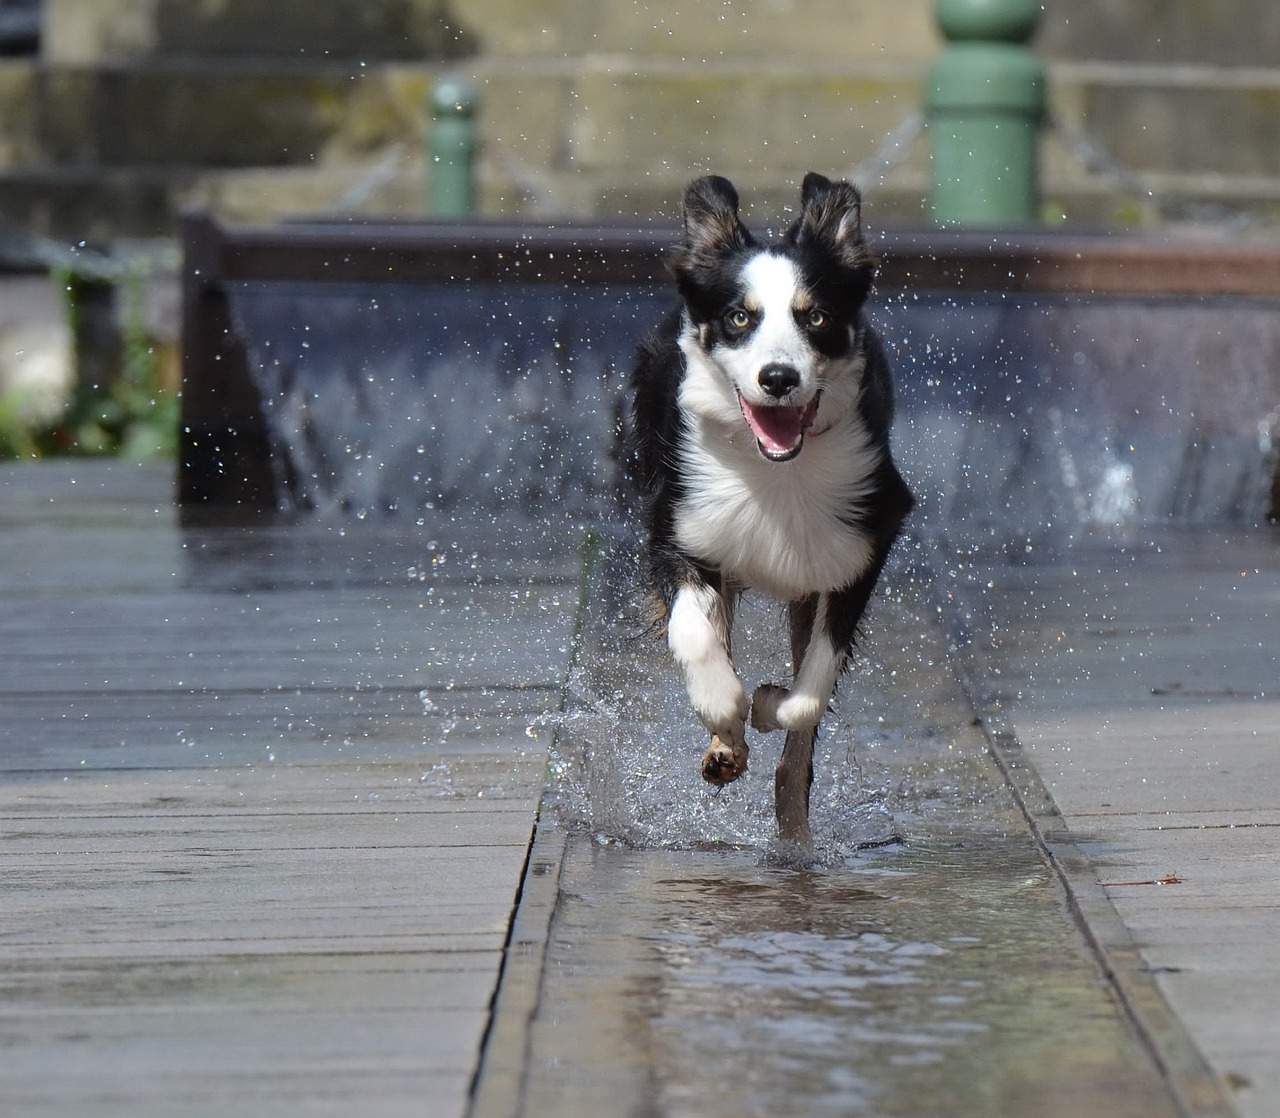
x=600, y=111
x=596, y=134
x=195, y=114
x=823, y=32
x=76, y=33
x=1242, y=33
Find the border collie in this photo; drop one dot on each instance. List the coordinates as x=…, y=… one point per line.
x=759, y=429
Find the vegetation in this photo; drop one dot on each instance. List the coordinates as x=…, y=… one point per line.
x=120, y=404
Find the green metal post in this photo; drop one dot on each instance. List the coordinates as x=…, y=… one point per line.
x=984, y=103
x=452, y=147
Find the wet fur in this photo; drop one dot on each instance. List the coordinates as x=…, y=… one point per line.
x=801, y=503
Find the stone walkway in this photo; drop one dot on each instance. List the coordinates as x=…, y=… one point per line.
x=266, y=797
x=1144, y=689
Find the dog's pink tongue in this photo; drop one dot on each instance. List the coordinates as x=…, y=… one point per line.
x=777, y=429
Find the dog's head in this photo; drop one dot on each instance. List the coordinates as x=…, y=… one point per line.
x=777, y=323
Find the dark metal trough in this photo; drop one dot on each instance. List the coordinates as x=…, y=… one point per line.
x=1178, y=294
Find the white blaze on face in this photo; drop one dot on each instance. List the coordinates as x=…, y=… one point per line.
x=772, y=290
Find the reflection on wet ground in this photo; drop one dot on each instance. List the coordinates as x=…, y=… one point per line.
x=942, y=979
x=924, y=962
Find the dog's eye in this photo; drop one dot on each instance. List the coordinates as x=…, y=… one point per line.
x=739, y=319
x=818, y=319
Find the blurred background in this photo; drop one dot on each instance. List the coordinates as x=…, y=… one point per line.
x=117, y=114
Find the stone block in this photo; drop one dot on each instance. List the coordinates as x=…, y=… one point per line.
x=1237, y=34
x=106, y=31
x=17, y=103
x=693, y=122
x=78, y=34
x=93, y=203
x=178, y=115
x=1229, y=128
x=840, y=31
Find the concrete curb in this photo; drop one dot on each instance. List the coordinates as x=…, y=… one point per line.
x=497, y=1089
x=1191, y=1081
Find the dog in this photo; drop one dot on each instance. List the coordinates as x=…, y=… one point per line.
x=759, y=440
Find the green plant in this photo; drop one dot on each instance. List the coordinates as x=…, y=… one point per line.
x=120, y=405
x=17, y=440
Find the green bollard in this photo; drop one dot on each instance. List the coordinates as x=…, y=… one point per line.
x=452, y=147
x=984, y=104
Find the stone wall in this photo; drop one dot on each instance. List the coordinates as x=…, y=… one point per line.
x=602, y=107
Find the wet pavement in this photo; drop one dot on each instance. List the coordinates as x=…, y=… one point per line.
x=925, y=962
x=267, y=798
x=1142, y=688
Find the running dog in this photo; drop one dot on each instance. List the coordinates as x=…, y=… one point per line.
x=759, y=438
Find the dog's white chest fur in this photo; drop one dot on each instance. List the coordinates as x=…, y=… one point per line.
x=773, y=526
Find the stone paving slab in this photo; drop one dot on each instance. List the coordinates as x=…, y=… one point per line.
x=266, y=795
x=1145, y=689
x=265, y=801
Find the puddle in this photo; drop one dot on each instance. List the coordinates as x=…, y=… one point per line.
x=941, y=979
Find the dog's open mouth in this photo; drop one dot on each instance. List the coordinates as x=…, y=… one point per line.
x=779, y=430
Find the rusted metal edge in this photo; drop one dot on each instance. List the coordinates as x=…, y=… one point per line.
x=1049, y=262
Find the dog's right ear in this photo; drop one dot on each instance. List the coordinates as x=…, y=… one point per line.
x=831, y=214
x=711, y=224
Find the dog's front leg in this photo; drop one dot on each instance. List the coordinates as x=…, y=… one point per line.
x=818, y=658
x=698, y=628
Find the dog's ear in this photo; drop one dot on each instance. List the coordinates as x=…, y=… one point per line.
x=711, y=224
x=831, y=214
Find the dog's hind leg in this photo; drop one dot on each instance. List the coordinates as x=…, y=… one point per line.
x=698, y=628
x=794, y=775
x=822, y=632
x=791, y=783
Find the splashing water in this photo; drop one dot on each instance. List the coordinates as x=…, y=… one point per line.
x=626, y=755
x=1040, y=420
x=415, y=398
x=1019, y=415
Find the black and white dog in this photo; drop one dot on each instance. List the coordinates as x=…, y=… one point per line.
x=759, y=429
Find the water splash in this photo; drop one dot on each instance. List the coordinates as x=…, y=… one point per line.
x=413, y=398
x=626, y=753
x=1020, y=416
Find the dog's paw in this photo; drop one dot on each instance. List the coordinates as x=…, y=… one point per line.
x=776, y=708
x=764, y=707
x=724, y=761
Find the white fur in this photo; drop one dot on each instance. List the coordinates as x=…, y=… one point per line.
x=802, y=706
x=806, y=702
x=772, y=289
x=696, y=634
x=774, y=526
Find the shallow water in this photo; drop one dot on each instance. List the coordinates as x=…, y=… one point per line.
x=940, y=978
x=921, y=962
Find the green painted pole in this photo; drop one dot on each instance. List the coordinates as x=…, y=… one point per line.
x=984, y=104
x=452, y=147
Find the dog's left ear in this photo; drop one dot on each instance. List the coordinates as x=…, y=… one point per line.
x=831, y=214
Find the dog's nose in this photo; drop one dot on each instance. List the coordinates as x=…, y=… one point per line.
x=778, y=380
